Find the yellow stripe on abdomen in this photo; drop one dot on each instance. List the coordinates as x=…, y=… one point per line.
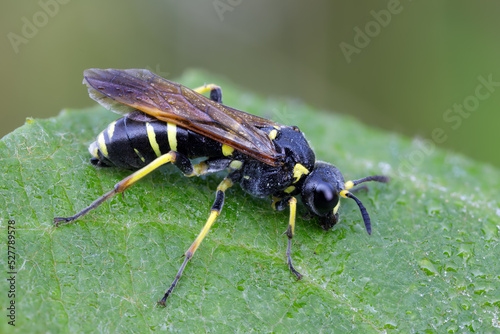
x=93, y=150
x=102, y=144
x=172, y=136
x=152, y=139
x=111, y=130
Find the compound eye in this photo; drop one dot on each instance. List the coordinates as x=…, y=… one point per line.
x=325, y=198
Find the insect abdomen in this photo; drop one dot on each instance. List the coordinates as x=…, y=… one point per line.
x=133, y=144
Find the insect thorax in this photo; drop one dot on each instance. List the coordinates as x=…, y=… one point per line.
x=261, y=180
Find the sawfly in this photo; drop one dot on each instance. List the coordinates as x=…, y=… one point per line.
x=165, y=122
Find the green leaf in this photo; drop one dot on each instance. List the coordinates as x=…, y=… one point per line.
x=431, y=264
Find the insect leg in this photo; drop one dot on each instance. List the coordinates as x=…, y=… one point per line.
x=205, y=167
x=280, y=204
x=215, y=92
x=213, y=165
x=289, y=233
x=180, y=161
x=214, y=212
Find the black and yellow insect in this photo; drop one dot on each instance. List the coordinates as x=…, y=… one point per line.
x=167, y=122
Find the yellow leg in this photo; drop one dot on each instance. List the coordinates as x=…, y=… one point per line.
x=199, y=169
x=215, y=92
x=275, y=200
x=214, y=213
x=206, y=88
x=136, y=176
x=121, y=186
x=213, y=165
x=290, y=232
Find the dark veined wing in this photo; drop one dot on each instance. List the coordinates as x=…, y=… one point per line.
x=125, y=91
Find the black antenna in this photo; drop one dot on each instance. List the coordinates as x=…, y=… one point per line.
x=378, y=178
x=364, y=213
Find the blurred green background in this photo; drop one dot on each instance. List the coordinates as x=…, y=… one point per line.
x=405, y=66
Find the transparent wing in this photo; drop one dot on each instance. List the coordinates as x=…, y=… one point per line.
x=125, y=91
